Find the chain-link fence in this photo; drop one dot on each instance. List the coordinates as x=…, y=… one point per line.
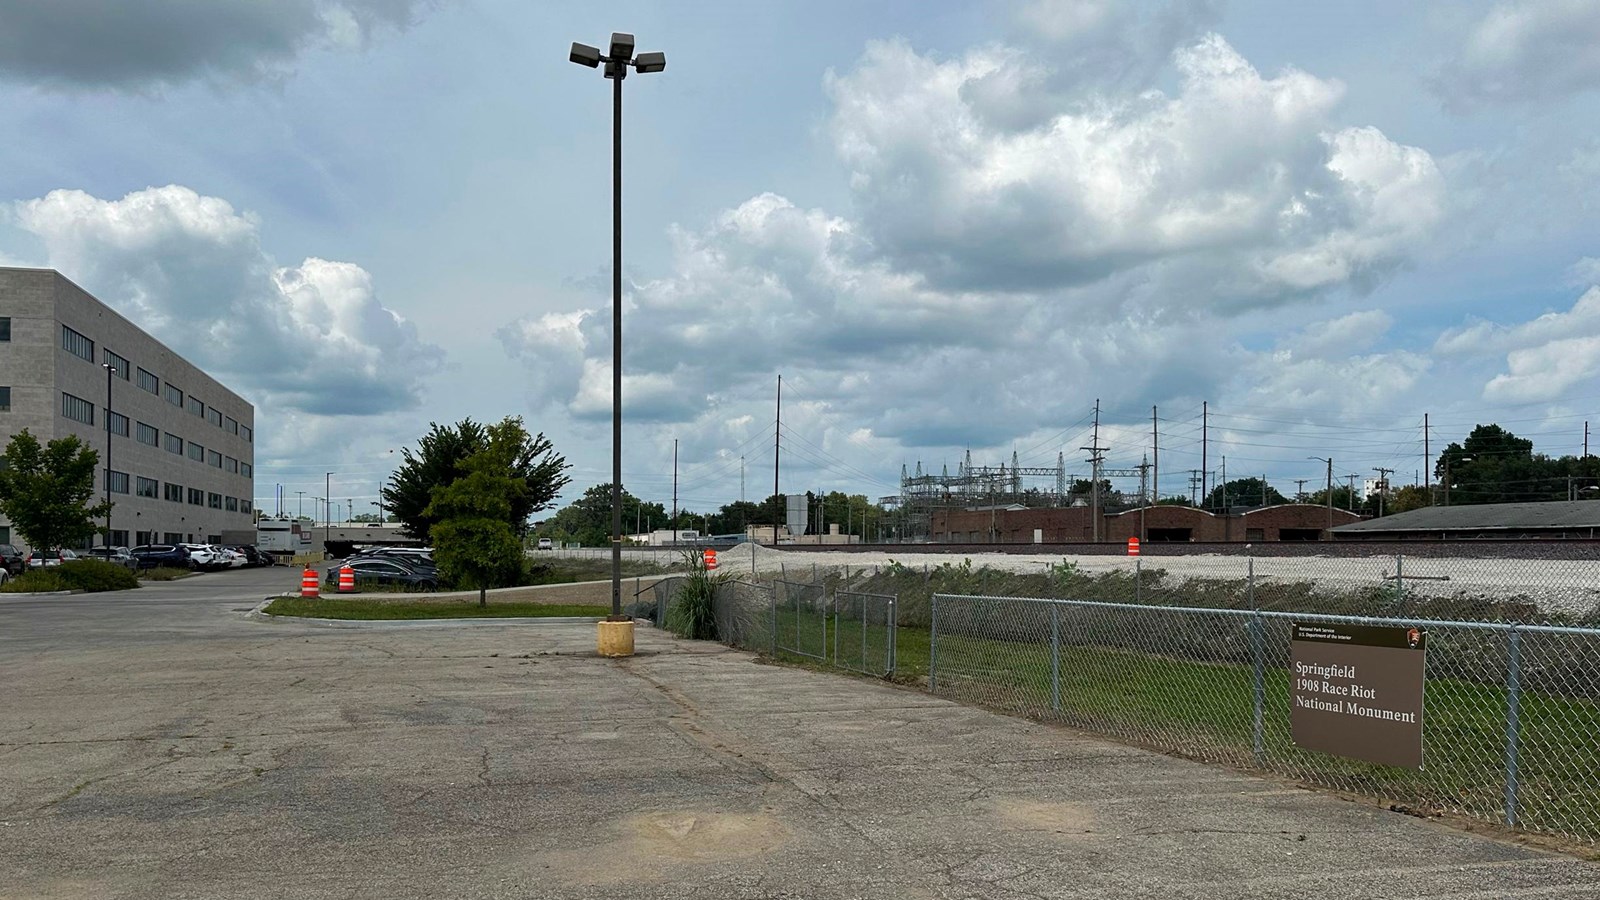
x=863, y=632
x=1512, y=712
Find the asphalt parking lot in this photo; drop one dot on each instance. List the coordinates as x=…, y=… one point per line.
x=159, y=744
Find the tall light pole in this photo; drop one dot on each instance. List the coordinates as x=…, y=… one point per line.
x=617, y=62
x=1329, y=461
x=327, y=511
x=110, y=371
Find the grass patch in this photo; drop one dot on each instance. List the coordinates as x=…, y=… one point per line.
x=407, y=609
x=163, y=573
x=89, y=575
x=567, y=571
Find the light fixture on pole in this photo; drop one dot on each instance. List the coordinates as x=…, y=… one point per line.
x=617, y=61
x=110, y=371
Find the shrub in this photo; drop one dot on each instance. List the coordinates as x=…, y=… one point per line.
x=693, y=613
x=163, y=573
x=95, y=575
x=35, y=581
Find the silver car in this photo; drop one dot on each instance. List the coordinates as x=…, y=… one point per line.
x=115, y=555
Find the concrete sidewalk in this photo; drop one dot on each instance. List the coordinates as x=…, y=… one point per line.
x=280, y=761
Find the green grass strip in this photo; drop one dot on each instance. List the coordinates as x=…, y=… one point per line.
x=391, y=610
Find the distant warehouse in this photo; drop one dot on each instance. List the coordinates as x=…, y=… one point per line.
x=1556, y=520
x=182, y=445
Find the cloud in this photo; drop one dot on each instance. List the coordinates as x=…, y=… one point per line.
x=1525, y=51
x=89, y=44
x=190, y=270
x=1545, y=357
x=1243, y=179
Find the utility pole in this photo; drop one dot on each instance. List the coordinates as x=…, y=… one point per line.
x=1205, y=442
x=1195, y=480
x=1586, y=439
x=777, y=436
x=1224, y=486
x=300, y=505
x=1329, y=461
x=1094, y=473
x=675, y=492
x=1427, y=458
x=1300, y=489
x=1352, y=477
x=1383, y=486
x=1144, y=472
x=1155, y=455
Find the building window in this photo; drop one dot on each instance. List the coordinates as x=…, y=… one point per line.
x=147, y=434
x=245, y=470
x=214, y=416
x=244, y=505
x=5, y=534
x=5, y=335
x=117, y=423
x=77, y=344
x=5, y=399
x=174, y=396
x=121, y=365
x=248, y=435
x=77, y=409
x=213, y=458
x=197, y=497
x=116, y=482
x=214, y=501
x=119, y=537
x=232, y=465
x=146, y=487
x=145, y=538
x=173, y=492
x=149, y=382
x=233, y=504
x=171, y=537
x=196, y=408
x=197, y=452
x=174, y=444
x=232, y=427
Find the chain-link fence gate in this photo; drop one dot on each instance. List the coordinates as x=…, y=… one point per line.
x=864, y=632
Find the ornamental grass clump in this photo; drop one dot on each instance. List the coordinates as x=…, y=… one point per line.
x=693, y=613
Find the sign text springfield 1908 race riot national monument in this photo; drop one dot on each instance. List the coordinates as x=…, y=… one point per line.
x=1356, y=691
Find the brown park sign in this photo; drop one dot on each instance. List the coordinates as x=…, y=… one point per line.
x=1356, y=691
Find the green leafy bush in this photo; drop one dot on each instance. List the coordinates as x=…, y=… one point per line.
x=95, y=575
x=35, y=581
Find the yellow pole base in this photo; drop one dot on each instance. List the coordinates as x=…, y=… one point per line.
x=615, y=639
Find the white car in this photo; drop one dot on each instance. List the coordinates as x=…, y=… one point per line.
x=546, y=544
x=205, y=557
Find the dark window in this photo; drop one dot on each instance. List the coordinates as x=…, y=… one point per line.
x=5, y=534
x=214, y=501
x=119, y=538
x=147, y=434
x=5, y=399
x=174, y=444
x=5, y=328
x=213, y=458
x=145, y=537
x=173, y=492
x=197, y=497
x=214, y=416
x=196, y=408
x=1171, y=534
x=77, y=409
x=174, y=396
x=1299, y=534
x=1255, y=534
x=232, y=427
x=119, y=364
x=117, y=482
x=171, y=537
x=245, y=470
x=197, y=452
x=231, y=464
x=149, y=382
x=233, y=504
x=77, y=344
x=117, y=423
x=248, y=435
x=244, y=505
x=146, y=487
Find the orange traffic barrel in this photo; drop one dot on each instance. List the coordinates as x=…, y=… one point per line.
x=710, y=556
x=347, y=580
x=309, y=586
x=1133, y=546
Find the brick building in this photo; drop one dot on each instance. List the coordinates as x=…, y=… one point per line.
x=1075, y=524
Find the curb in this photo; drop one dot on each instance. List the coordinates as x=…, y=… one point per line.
x=257, y=614
x=48, y=593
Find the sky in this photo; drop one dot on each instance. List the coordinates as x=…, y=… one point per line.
x=950, y=227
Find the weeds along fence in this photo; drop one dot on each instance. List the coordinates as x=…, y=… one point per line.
x=1511, y=729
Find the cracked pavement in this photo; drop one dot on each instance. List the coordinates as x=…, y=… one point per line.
x=159, y=744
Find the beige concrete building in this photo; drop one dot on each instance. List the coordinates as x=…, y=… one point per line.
x=182, y=452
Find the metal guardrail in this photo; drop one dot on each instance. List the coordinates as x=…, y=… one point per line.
x=1512, y=724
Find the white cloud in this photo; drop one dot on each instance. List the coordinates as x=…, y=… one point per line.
x=1525, y=50
x=134, y=46
x=1243, y=177
x=1545, y=357
x=190, y=269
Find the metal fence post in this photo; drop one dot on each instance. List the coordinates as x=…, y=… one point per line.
x=863, y=602
x=933, y=646
x=1513, y=727
x=894, y=627
x=1258, y=686
x=774, y=619
x=1138, y=593
x=835, y=626
x=1250, y=581
x=1055, y=656
x=1399, y=582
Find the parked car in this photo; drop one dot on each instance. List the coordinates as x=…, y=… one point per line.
x=252, y=556
x=204, y=557
x=116, y=555
x=38, y=558
x=149, y=556
x=385, y=572
x=12, y=560
x=546, y=544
